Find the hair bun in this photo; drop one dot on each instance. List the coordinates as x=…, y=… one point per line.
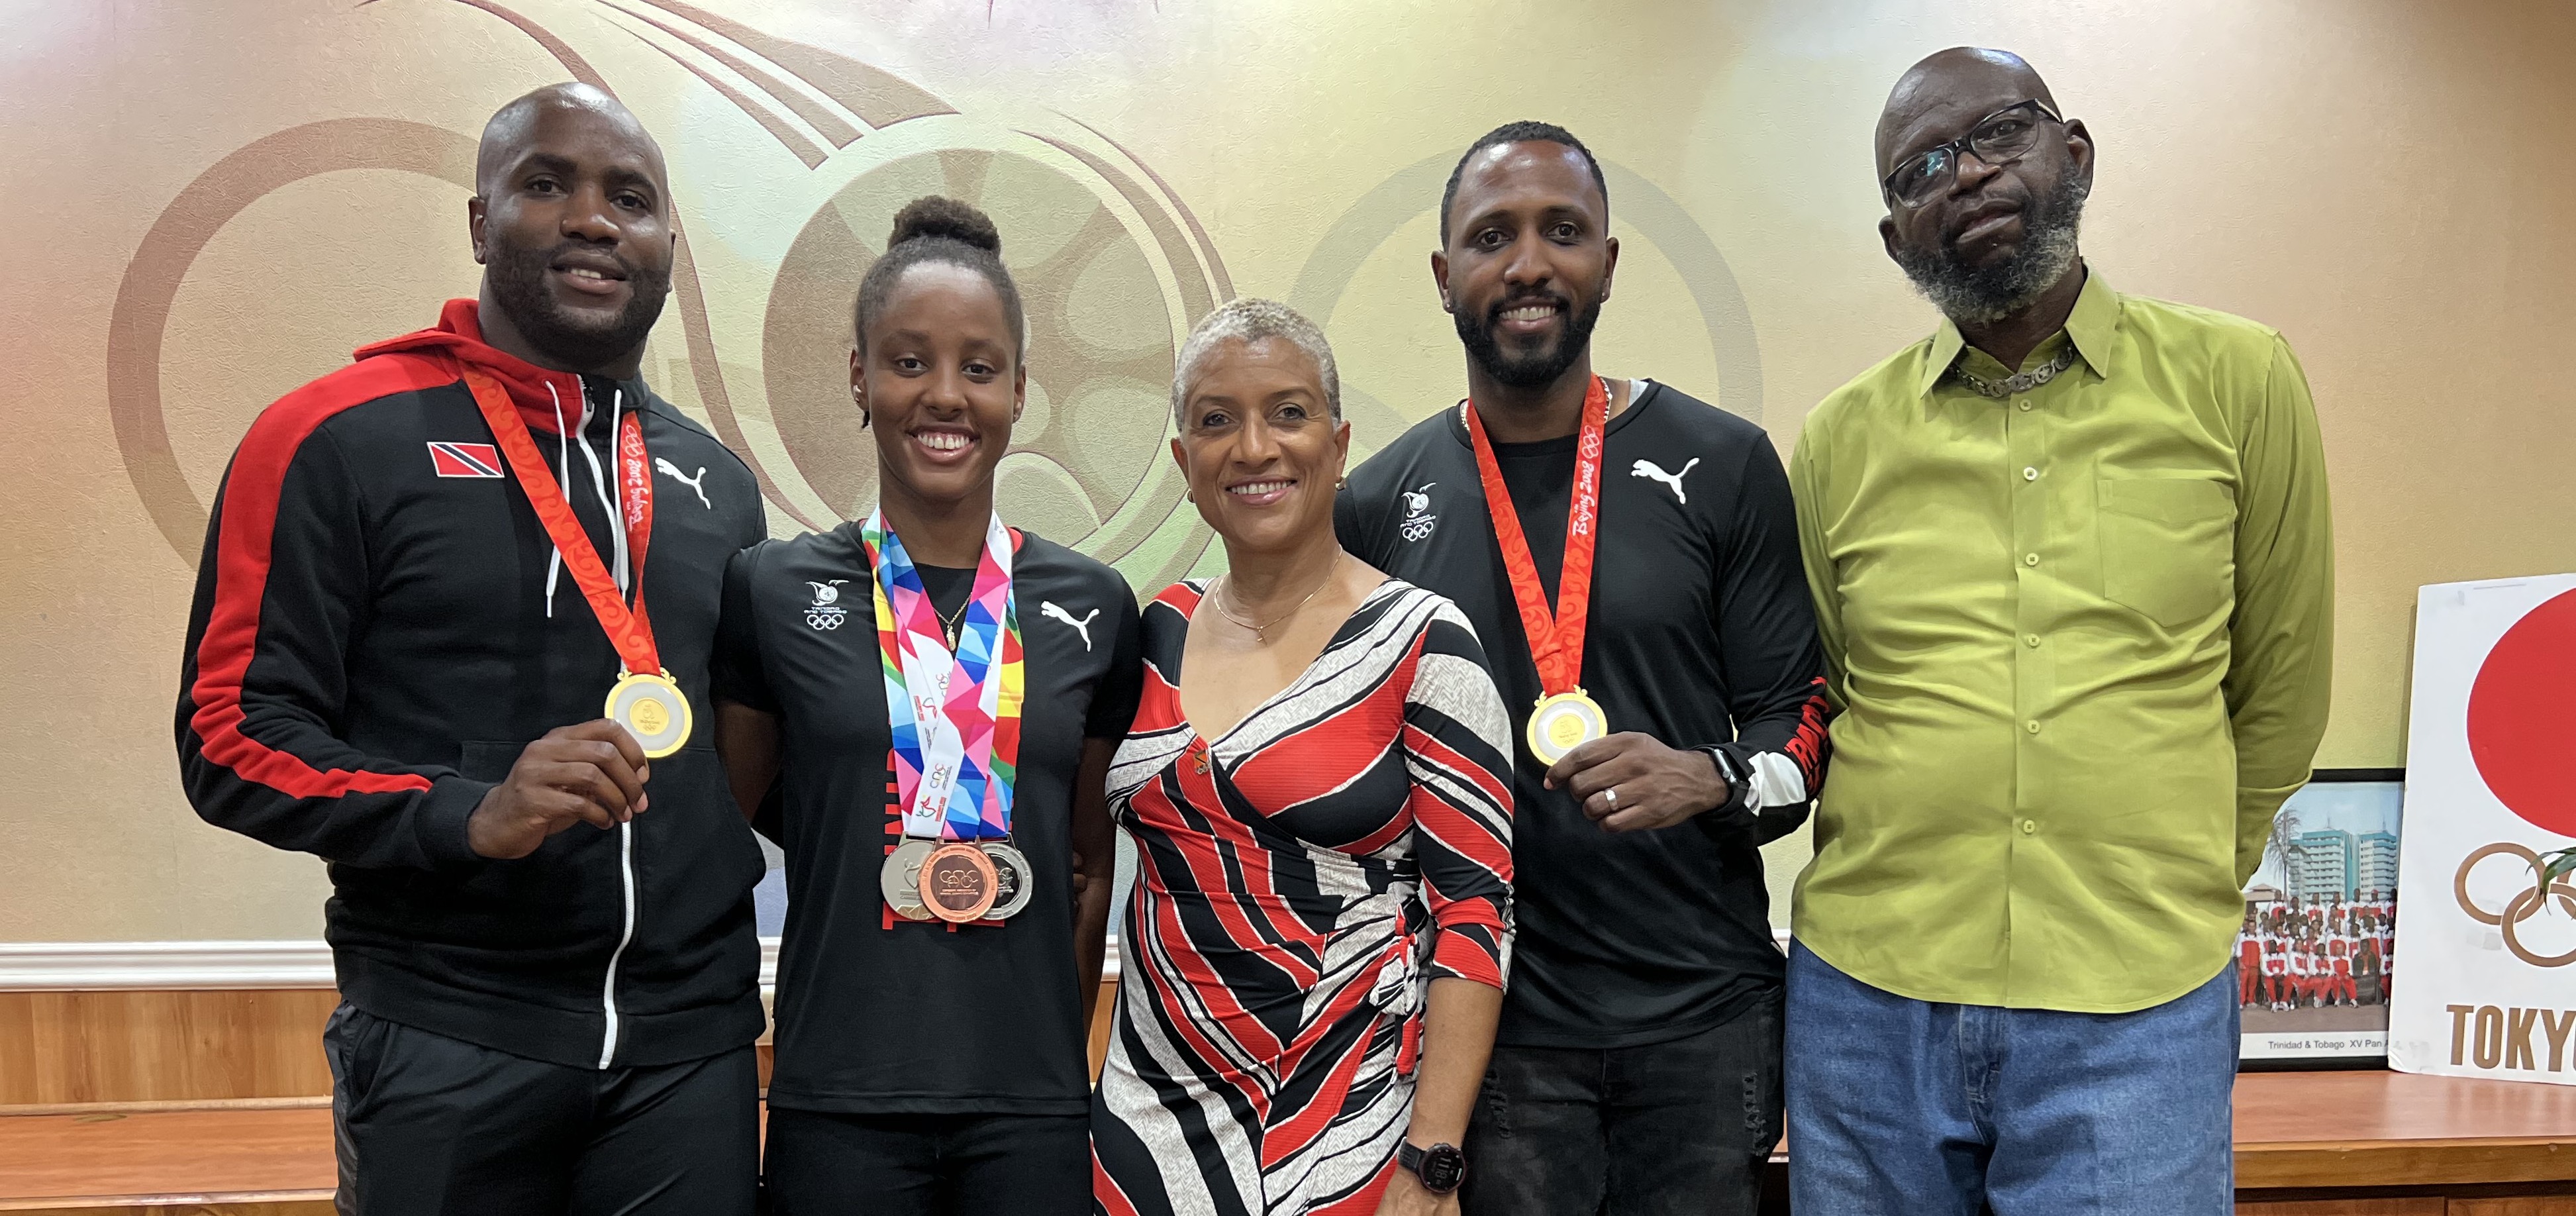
x=940, y=216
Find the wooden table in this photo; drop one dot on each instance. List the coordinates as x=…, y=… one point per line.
x=2396, y=1144
x=2307, y=1144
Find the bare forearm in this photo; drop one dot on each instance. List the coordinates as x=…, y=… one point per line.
x=1457, y=1041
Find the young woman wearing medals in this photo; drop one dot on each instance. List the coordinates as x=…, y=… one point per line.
x=920, y=706
x=1319, y=785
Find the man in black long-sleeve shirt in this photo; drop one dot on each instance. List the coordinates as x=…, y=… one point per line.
x=1638, y=1062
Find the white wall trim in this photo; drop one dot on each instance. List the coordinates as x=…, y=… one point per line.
x=43, y=966
x=110, y=966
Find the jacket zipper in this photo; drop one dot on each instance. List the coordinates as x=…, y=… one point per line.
x=625, y=831
x=608, y=987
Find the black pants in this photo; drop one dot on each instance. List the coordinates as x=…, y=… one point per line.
x=928, y=1165
x=1665, y=1129
x=429, y=1126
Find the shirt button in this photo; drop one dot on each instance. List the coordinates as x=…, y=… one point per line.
x=2032, y=726
x=2025, y=407
x=2030, y=559
x=2029, y=826
x=2030, y=474
x=2030, y=639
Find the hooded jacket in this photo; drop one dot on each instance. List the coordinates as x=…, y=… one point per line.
x=381, y=624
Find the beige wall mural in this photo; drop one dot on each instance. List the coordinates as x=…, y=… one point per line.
x=211, y=203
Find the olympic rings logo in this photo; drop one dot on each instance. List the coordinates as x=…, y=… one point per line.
x=2525, y=903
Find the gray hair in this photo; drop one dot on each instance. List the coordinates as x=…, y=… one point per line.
x=1248, y=320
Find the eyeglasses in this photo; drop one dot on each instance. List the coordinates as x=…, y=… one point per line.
x=1998, y=139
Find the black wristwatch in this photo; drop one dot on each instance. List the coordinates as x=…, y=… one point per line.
x=1738, y=778
x=1441, y=1167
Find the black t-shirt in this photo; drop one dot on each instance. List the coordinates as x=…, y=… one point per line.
x=879, y=1015
x=1701, y=632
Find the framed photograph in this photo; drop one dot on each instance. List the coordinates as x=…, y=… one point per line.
x=2317, y=952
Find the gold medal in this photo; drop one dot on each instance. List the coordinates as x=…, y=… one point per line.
x=958, y=883
x=1017, y=882
x=652, y=709
x=900, y=880
x=1563, y=722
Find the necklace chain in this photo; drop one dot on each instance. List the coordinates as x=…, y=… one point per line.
x=950, y=621
x=1260, y=631
x=2018, y=382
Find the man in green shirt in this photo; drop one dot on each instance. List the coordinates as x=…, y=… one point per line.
x=2072, y=566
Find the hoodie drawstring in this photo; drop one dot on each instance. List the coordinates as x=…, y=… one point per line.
x=563, y=481
x=599, y=482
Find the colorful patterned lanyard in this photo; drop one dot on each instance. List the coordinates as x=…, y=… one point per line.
x=957, y=741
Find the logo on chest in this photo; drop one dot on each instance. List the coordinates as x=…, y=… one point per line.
x=464, y=459
x=826, y=613
x=1418, y=520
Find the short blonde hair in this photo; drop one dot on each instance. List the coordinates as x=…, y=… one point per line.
x=1248, y=319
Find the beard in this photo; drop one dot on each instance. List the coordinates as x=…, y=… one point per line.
x=1538, y=367
x=518, y=278
x=1982, y=295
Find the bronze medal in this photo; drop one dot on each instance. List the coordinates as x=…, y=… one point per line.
x=958, y=883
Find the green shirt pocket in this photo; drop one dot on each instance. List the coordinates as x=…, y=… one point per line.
x=2167, y=549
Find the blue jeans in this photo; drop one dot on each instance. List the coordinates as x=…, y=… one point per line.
x=1899, y=1107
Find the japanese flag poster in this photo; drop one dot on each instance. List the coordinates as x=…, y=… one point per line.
x=2488, y=985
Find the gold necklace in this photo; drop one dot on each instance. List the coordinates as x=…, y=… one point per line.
x=1259, y=632
x=950, y=622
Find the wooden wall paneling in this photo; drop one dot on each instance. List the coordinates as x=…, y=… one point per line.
x=1103, y=1005
x=309, y=1207
x=2423, y=1206
x=2531, y=1205
x=141, y=1046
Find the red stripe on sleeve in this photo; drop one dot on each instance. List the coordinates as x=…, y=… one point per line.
x=241, y=576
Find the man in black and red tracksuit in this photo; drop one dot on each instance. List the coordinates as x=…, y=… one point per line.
x=544, y=940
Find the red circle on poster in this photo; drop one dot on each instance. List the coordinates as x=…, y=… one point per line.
x=2522, y=717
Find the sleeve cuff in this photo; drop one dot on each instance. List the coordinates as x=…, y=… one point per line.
x=440, y=821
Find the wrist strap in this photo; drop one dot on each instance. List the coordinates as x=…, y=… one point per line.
x=1737, y=775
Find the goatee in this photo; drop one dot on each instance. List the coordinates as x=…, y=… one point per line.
x=517, y=275
x=1538, y=367
x=1982, y=295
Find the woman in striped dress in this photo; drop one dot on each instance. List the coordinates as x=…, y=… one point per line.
x=1313, y=957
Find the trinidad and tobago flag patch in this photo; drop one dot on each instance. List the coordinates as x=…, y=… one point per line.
x=465, y=459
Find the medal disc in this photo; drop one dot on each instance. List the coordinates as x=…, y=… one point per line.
x=1014, y=880
x=958, y=883
x=652, y=709
x=900, y=880
x=1563, y=722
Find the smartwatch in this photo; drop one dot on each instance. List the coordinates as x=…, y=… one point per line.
x=1738, y=777
x=1441, y=1167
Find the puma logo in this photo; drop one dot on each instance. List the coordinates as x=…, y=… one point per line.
x=672, y=471
x=1654, y=472
x=1048, y=608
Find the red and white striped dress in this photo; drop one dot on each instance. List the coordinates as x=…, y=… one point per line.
x=1300, y=882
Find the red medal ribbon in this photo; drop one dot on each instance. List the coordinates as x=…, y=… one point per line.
x=629, y=630
x=1555, y=642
